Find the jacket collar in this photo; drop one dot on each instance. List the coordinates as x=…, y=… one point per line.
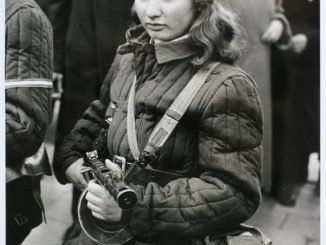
x=140, y=41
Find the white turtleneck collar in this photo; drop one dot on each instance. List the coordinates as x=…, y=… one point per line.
x=155, y=41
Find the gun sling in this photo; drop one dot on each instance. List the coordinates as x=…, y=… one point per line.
x=165, y=126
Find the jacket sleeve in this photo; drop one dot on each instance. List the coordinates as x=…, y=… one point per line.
x=86, y=130
x=59, y=15
x=285, y=40
x=28, y=84
x=228, y=190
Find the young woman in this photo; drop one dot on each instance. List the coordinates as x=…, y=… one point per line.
x=216, y=145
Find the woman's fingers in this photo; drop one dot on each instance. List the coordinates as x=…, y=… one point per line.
x=94, y=208
x=90, y=197
x=98, y=191
x=113, y=166
x=98, y=216
x=102, y=204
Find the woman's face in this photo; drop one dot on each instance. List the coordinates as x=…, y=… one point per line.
x=165, y=20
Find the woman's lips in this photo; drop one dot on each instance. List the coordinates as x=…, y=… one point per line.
x=155, y=26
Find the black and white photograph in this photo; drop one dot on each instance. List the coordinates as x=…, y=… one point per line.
x=162, y=122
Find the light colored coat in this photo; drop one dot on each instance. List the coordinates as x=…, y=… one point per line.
x=255, y=17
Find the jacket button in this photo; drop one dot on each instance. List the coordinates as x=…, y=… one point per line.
x=108, y=120
x=114, y=105
x=103, y=135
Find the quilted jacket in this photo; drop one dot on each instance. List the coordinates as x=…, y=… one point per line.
x=217, y=144
x=28, y=84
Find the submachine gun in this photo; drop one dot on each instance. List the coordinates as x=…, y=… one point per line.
x=137, y=173
x=112, y=181
x=100, y=231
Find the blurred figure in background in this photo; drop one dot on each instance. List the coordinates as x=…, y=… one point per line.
x=297, y=72
x=265, y=24
x=28, y=88
x=86, y=35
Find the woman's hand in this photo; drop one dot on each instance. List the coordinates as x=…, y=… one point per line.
x=299, y=43
x=273, y=32
x=101, y=202
x=74, y=176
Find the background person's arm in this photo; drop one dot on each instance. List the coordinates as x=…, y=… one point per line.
x=28, y=81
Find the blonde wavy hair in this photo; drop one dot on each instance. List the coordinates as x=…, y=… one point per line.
x=216, y=32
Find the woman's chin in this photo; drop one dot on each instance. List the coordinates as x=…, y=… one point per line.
x=159, y=36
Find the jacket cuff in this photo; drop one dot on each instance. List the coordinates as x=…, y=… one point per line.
x=60, y=171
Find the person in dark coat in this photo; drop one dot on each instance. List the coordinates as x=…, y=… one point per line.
x=28, y=89
x=300, y=69
x=86, y=35
x=216, y=147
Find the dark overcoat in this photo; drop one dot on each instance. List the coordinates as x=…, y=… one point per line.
x=301, y=74
x=86, y=35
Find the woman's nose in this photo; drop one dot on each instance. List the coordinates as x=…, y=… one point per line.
x=153, y=9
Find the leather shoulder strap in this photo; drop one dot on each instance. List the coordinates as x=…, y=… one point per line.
x=131, y=125
x=171, y=117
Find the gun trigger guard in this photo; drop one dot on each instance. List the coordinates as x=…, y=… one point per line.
x=85, y=169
